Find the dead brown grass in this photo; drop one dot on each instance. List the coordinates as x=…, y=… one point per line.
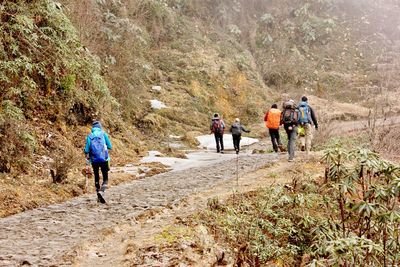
x=386, y=142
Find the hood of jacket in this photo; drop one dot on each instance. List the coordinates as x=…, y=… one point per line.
x=96, y=126
x=236, y=125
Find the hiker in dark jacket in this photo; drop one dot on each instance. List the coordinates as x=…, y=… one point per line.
x=217, y=127
x=236, y=130
x=307, y=119
x=289, y=119
x=96, y=152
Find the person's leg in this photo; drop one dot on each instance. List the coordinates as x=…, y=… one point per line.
x=104, y=170
x=278, y=138
x=239, y=137
x=302, y=142
x=292, y=143
x=222, y=142
x=308, y=137
x=96, y=167
x=217, y=141
x=234, y=141
x=272, y=134
x=288, y=132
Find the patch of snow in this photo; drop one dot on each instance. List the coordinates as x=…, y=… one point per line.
x=200, y=158
x=156, y=88
x=155, y=153
x=175, y=136
x=168, y=161
x=156, y=104
x=208, y=141
x=176, y=145
x=196, y=159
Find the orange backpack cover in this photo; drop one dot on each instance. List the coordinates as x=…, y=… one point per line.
x=273, y=119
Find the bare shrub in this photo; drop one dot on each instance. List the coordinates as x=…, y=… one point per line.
x=387, y=142
x=64, y=160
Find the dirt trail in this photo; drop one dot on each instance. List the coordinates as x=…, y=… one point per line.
x=343, y=127
x=119, y=247
x=82, y=232
x=56, y=234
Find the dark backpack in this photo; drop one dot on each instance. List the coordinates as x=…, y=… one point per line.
x=290, y=115
x=304, y=110
x=98, y=148
x=236, y=129
x=217, y=126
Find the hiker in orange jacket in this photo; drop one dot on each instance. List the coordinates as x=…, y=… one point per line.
x=272, y=121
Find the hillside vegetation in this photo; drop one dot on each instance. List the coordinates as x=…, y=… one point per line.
x=207, y=56
x=67, y=63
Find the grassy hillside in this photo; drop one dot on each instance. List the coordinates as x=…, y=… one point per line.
x=67, y=63
x=149, y=43
x=330, y=48
x=50, y=83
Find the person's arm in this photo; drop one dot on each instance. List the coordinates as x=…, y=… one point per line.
x=244, y=129
x=266, y=116
x=108, y=142
x=314, y=118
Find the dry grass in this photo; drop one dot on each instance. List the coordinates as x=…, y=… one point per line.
x=386, y=142
x=328, y=110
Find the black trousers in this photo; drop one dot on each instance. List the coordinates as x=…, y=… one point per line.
x=236, y=141
x=219, y=140
x=275, y=139
x=104, y=166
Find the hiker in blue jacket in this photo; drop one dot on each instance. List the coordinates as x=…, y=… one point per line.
x=96, y=151
x=307, y=119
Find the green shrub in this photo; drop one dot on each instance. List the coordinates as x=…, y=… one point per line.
x=351, y=219
x=45, y=75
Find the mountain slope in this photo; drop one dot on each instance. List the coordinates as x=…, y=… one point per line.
x=69, y=63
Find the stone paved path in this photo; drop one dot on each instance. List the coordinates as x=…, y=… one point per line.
x=46, y=236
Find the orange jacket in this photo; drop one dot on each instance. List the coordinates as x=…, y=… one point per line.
x=273, y=118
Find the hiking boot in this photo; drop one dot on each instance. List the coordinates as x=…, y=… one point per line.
x=237, y=152
x=290, y=160
x=100, y=197
x=103, y=188
x=222, y=152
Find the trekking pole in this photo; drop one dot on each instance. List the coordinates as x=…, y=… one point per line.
x=87, y=172
x=237, y=172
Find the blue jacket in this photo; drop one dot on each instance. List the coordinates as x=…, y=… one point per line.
x=312, y=117
x=97, y=128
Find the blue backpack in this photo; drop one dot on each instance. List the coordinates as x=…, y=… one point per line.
x=304, y=110
x=98, y=148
